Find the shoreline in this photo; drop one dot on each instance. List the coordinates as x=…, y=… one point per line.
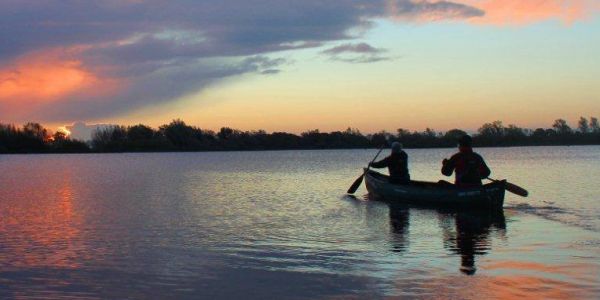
x=283, y=149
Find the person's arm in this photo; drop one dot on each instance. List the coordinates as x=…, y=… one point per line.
x=404, y=157
x=484, y=170
x=448, y=166
x=380, y=164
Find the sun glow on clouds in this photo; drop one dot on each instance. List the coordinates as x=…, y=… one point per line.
x=43, y=78
x=522, y=12
x=493, y=12
x=64, y=130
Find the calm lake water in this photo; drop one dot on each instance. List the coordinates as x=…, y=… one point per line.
x=279, y=225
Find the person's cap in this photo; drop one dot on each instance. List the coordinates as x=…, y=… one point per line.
x=396, y=147
x=465, y=140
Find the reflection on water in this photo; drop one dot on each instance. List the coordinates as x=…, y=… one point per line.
x=399, y=222
x=465, y=233
x=266, y=225
x=42, y=233
x=471, y=236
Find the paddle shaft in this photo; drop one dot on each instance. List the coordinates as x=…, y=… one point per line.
x=359, y=180
x=372, y=161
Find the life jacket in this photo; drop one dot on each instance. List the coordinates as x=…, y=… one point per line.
x=398, y=165
x=467, y=167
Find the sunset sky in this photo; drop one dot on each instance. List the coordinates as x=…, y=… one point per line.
x=290, y=66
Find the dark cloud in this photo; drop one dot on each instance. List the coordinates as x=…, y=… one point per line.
x=169, y=82
x=356, y=53
x=363, y=59
x=263, y=62
x=433, y=10
x=270, y=72
x=134, y=31
x=166, y=49
x=363, y=48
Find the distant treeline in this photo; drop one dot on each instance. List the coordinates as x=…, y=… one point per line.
x=178, y=136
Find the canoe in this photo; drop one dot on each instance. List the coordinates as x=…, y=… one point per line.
x=434, y=194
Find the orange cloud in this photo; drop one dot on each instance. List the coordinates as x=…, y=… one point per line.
x=43, y=77
x=494, y=12
x=521, y=12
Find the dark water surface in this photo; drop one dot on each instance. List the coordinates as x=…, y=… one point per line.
x=277, y=224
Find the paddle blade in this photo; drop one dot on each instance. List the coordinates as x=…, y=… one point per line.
x=515, y=189
x=356, y=184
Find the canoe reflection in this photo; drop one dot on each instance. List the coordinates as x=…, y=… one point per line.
x=465, y=233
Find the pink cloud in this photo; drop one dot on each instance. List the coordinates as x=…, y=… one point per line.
x=36, y=81
x=493, y=12
x=47, y=76
x=522, y=12
x=42, y=77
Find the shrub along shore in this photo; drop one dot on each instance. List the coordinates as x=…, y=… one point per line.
x=178, y=136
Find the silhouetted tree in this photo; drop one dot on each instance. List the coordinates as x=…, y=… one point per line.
x=225, y=133
x=493, y=130
x=514, y=135
x=594, y=126
x=583, y=125
x=454, y=134
x=110, y=139
x=284, y=140
x=430, y=133
x=561, y=127
x=403, y=133
x=490, y=134
x=181, y=135
x=59, y=136
x=8, y=137
x=313, y=139
x=61, y=143
x=100, y=138
x=36, y=131
x=33, y=138
x=381, y=138
x=541, y=132
x=140, y=132
x=177, y=135
x=450, y=138
x=143, y=138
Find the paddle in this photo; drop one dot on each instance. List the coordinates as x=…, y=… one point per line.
x=513, y=188
x=359, y=180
